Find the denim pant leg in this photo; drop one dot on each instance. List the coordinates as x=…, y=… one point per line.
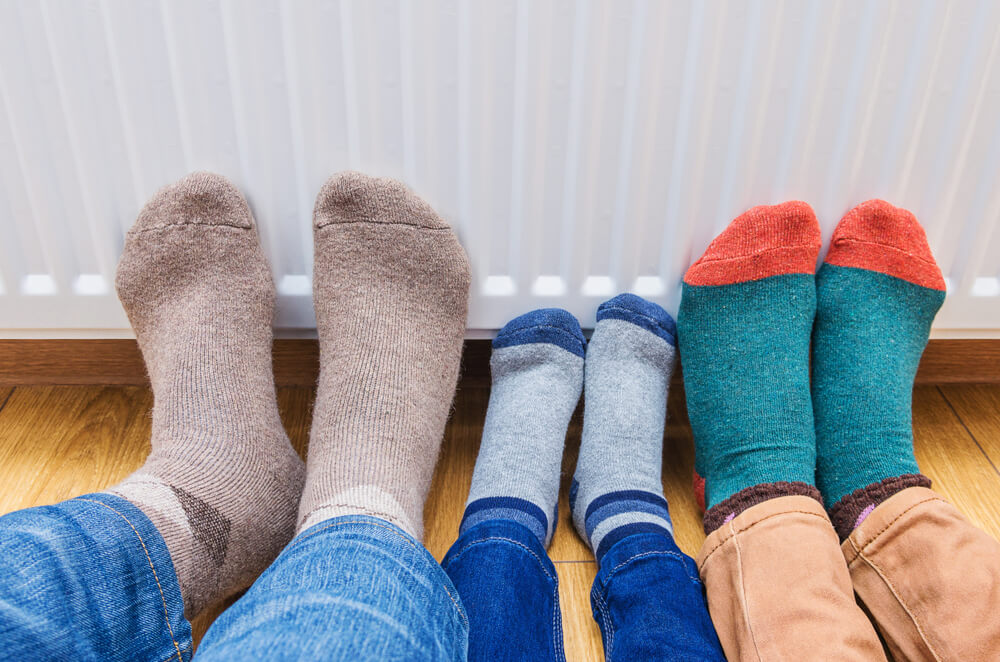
x=510, y=591
x=89, y=579
x=351, y=588
x=650, y=603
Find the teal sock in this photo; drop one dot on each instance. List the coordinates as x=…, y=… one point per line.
x=877, y=295
x=744, y=325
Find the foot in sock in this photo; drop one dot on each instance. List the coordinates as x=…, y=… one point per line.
x=391, y=286
x=744, y=325
x=537, y=368
x=222, y=483
x=877, y=294
x=617, y=489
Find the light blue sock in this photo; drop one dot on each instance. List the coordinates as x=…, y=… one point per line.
x=537, y=368
x=617, y=489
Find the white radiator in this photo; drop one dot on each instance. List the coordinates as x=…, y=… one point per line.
x=579, y=148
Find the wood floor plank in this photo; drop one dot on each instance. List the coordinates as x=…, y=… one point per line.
x=61, y=442
x=453, y=475
x=948, y=455
x=978, y=407
x=581, y=636
x=295, y=404
x=567, y=545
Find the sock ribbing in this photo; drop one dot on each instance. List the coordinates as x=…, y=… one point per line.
x=617, y=489
x=615, y=515
x=744, y=325
x=391, y=285
x=526, y=513
x=537, y=369
x=222, y=482
x=877, y=294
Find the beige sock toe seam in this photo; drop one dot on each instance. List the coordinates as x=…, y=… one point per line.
x=189, y=225
x=413, y=226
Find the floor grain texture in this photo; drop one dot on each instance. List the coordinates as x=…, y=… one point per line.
x=61, y=441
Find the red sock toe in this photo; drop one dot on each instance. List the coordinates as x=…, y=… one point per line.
x=880, y=237
x=762, y=242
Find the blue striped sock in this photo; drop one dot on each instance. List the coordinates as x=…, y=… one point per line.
x=537, y=368
x=521, y=511
x=615, y=515
x=617, y=489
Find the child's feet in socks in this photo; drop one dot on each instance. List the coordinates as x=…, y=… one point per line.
x=537, y=368
x=617, y=489
x=877, y=294
x=391, y=287
x=745, y=319
x=222, y=483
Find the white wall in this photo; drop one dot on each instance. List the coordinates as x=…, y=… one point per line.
x=580, y=148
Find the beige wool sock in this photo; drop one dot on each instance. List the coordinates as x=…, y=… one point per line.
x=222, y=482
x=390, y=288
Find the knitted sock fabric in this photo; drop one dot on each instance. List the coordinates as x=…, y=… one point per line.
x=744, y=324
x=391, y=287
x=537, y=368
x=617, y=489
x=222, y=482
x=877, y=294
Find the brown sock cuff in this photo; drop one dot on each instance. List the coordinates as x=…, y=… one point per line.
x=851, y=510
x=748, y=497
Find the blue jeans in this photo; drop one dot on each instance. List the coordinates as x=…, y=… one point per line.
x=91, y=579
x=350, y=588
x=647, y=598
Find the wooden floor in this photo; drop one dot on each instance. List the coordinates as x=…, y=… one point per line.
x=60, y=441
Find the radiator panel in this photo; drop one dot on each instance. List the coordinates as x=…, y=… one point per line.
x=579, y=148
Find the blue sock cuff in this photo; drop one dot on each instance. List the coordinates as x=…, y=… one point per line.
x=518, y=510
x=545, y=325
x=625, y=501
x=642, y=313
x=644, y=512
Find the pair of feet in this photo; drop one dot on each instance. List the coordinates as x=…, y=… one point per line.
x=222, y=484
x=540, y=365
x=754, y=316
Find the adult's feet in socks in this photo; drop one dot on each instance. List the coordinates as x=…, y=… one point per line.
x=744, y=324
x=877, y=294
x=222, y=482
x=390, y=289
